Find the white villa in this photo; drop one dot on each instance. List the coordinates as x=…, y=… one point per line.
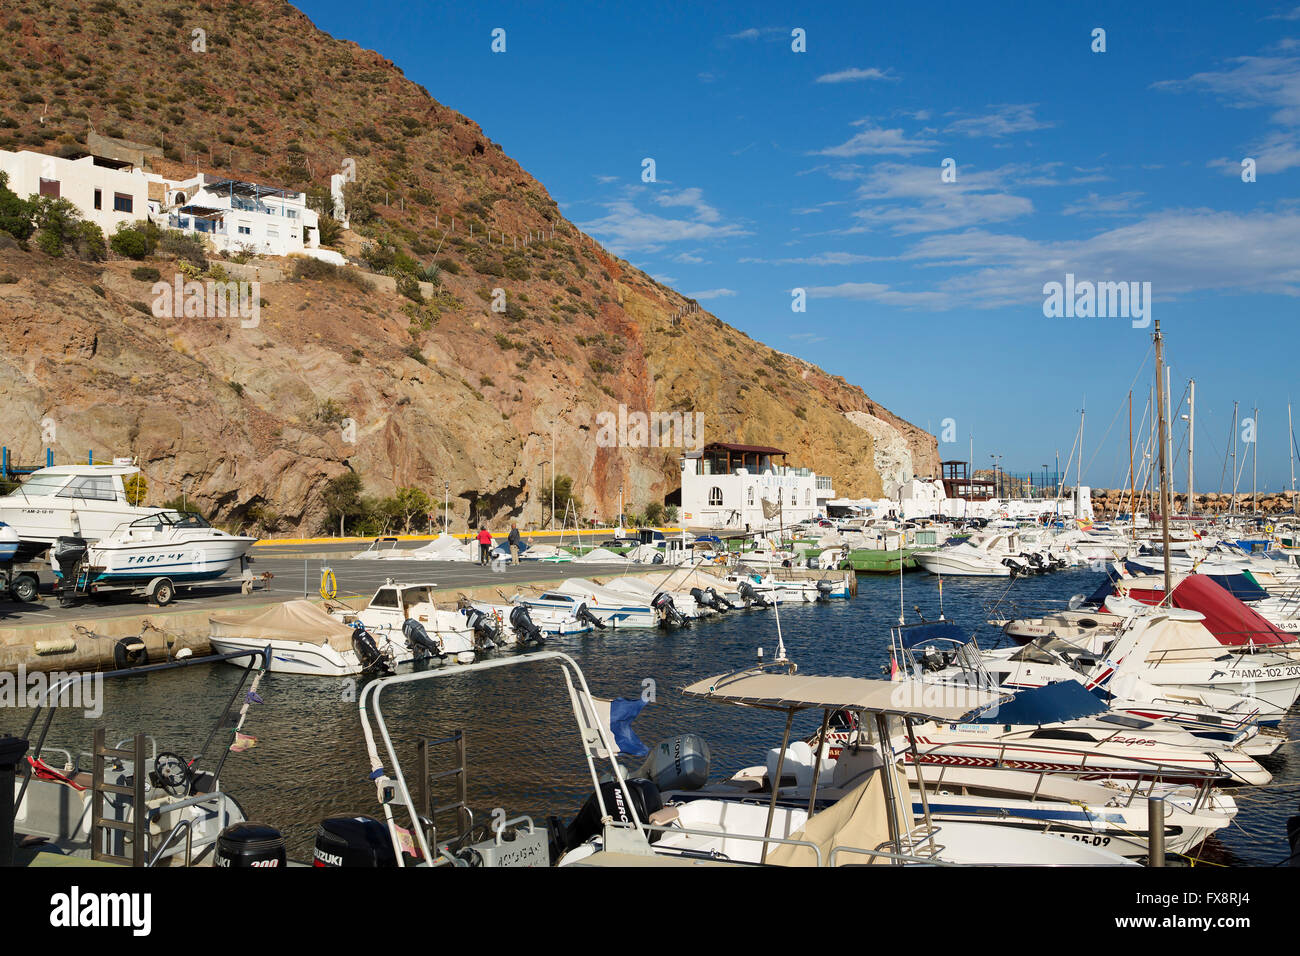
x=724, y=486
x=231, y=213
x=106, y=191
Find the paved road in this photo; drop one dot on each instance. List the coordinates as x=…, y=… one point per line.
x=292, y=578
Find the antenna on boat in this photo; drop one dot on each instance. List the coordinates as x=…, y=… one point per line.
x=1164, y=462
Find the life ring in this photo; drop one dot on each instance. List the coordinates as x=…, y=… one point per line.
x=1268, y=529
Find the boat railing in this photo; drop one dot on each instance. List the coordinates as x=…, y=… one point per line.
x=217, y=803
x=390, y=779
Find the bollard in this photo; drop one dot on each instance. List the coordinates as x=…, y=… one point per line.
x=1155, y=831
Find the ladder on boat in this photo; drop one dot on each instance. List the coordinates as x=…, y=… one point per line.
x=103, y=828
x=429, y=812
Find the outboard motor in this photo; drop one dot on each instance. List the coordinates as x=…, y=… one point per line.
x=250, y=845
x=668, y=613
x=707, y=597
x=721, y=603
x=1035, y=562
x=363, y=642
x=646, y=800
x=678, y=763
x=487, y=632
x=67, y=554
x=751, y=597
x=353, y=841
x=1014, y=565
x=584, y=614
x=526, y=631
x=824, y=589
x=418, y=639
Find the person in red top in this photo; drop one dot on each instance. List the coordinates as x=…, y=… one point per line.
x=484, y=545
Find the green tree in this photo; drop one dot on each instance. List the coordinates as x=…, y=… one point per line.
x=129, y=242
x=15, y=212
x=331, y=230
x=409, y=508
x=653, y=513
x=136, y=487
x=563, y=495
x=342, y=500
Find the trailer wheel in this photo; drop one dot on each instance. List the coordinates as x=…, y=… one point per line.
x=26, y=588
x=161, y=591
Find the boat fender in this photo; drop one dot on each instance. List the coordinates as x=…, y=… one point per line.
x=130, y=652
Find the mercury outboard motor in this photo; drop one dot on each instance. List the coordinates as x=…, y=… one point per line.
x=67, y=554
x=247, y=845
x=668, y=613
x=367, y=650
x=353, y=842
x=824, y=589
x=751, y=597
x=487, y=631
x=526, y=631
x=418, y=639
x=584, y=614
x=646, y=800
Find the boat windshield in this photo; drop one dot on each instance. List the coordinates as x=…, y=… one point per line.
x=40, y=485
x=172, y=519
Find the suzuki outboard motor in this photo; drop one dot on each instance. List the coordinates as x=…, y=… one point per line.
x=250, y=845
x=367, y=650
x=646, y=800
x=585, y=615
x=678, y=763
x=418, y=639
x=751, y=597
x=353, y=841
x=668, y=613
x=526, y=631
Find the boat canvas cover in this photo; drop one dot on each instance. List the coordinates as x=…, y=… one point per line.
x=300, y=621
x=924, y=701
x=1049, y=704
x=918, y=634
x=1232, y=623
x=858, y=819
x=1240, y=585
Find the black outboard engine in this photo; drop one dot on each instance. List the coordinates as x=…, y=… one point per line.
x=487, y=632
x=525, y=630
x=250, y=845
x=363, y=642
x=646, y=800
x=668, y=613
x=707, y=597
x=68, y=554
x=1016, y=569
x=353, y=841
x=584, y=614
x=1035, y=561
x=418, y=639
x=751, y=597
x=824, y=589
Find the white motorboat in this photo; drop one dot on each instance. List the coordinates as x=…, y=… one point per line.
x=406, y=617
x=178, y=545
x=986, y=555
x=77, y=501
x=612, y=608
x=303, y=639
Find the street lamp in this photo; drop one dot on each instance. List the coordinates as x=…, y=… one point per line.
x=541, y=472
x=446, y=506
x=997, y=479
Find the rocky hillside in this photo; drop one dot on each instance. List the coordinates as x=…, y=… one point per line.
x=247, y=421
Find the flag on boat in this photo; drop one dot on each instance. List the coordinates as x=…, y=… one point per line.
x=243, y=742
x=771, y=509
x=253, y=698
x=621, y=714
x=406, y=839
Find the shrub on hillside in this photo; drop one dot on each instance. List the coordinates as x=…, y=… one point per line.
x=145, y=274
x=15, y=212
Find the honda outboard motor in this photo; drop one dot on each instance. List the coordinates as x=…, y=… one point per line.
x=585, y=615
x=367, y=650
x=250, y=845
x=668, y=613
x=646, y=800
x=824, y=589
x=418, y=639
x=353, y=841
x=751, y=597
x=526, y=631
x=678, y=763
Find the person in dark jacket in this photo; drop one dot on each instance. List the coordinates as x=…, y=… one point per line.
x=513, y=541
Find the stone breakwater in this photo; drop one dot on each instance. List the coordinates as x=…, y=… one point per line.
x=1111, y=501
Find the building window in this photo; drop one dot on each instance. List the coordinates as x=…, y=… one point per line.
x=245, y=231
x=123, y=203
x=273, y=232
x=50, y=187
x=715, y=497
x=751, y=496
x=99, y=199
x=807, y=496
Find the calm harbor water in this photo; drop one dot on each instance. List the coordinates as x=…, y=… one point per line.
x=523, y=750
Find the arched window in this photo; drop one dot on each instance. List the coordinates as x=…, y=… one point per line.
x=715, y=497
x=807, y=496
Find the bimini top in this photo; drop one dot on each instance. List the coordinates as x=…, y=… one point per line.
x=915, y=634
x=757, y=688
x=1049, y=704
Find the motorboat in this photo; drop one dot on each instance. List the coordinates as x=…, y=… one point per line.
x=407, y=619
x=613, y=608
x=985, y=555
x=514, y=629
x=9, y=542
x=77, y=501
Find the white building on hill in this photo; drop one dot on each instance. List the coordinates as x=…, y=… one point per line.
x=724, y=486
x=106, y=191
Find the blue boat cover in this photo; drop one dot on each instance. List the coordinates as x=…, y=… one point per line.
x=621, y=714
x=1064, y=700
x=1240, y=586
x=931, y=631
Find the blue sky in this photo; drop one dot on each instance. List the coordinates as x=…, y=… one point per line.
x=820, y=170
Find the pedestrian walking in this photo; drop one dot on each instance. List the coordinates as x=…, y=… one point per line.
x=513, y=541
x=484, y=546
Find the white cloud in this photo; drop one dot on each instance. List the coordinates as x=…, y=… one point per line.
x=1093, y=204
x=874, y=141
x=1004, y=120
x=853, y=74
x=915, y=199
x=883, y=294
x=692, y=198
x=1252, y=81
x=626, y=228
x=711, y=294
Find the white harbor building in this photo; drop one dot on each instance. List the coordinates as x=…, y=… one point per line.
x=724, y=486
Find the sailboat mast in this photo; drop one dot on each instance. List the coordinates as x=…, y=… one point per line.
x=1132, y=478
x=1191, y=442
x=1254, y=467
x=1164, y=461
x=1291, y=448
x=1233, y=509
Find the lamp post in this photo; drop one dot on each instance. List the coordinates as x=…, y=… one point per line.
x=552, y=474
x=446, y=506
x=541, y=472
x=997, y=479
x=1043, y=489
